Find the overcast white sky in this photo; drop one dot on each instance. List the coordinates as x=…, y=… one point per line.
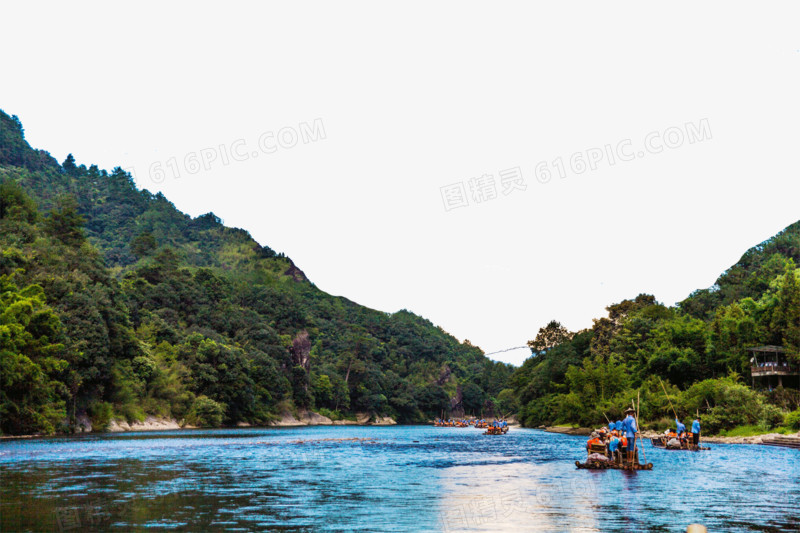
x=417, y=96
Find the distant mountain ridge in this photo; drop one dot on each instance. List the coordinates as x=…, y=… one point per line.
x=750, y=276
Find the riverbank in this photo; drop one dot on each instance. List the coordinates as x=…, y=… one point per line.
x=298, y=419
x=750, y=439
x=755, y=439
x=152, y=423
x=310, y=418
x=567, y=430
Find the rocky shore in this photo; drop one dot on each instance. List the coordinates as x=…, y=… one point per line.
x=756, y=439
x=303, y=418
x=150, y=423
x=567, y=430
x=310, y=418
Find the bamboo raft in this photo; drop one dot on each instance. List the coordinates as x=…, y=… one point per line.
x=686, y=446
x=612, y=465
x=492, y=430
x=615, y=461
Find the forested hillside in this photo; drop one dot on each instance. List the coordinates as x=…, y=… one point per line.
x=116, y=304
x=696, y=349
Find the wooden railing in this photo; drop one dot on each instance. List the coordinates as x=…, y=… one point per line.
x=779, y=370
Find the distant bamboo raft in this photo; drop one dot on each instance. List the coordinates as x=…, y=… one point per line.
x=661, y=442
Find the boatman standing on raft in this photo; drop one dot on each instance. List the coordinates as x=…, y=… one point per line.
x=696, y=431
x=629, y=426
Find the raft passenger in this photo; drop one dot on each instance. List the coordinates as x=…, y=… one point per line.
x=680, y=428
x=613, y=444
x=594, y=440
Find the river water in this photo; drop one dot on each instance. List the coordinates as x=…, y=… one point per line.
x=409, y=478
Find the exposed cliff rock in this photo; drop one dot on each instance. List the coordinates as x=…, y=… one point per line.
x=150, y=423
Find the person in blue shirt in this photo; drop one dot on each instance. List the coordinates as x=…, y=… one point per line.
x=618, y=425
x=680, y=428
x=613, y=446
x=611, y=427
x=629, y=426
x=696, y=431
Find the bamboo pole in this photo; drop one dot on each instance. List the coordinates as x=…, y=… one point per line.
x=667, y=395
x=638, y=404
x=633, y=406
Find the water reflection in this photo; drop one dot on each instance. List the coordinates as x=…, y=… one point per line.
x=514, y=497
x=382, y=479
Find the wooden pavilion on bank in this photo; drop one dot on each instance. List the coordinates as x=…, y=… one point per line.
x=770, y=368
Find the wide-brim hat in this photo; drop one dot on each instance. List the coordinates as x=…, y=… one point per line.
x=630, y=410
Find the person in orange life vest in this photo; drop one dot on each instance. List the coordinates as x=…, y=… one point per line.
x=594, y=440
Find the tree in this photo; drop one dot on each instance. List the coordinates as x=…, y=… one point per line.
x=32, y=397
x=323, y=391
x=143, y=244
x=14, y=203
x=786, y=315
x=473, y=398
x=302, y=398
x=69, y=165
x=549, y=336
x=65, y=223
x=733, y=330
x=507, y=401
x=205, y=412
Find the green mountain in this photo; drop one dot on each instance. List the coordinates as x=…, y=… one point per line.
x=750, y=276
x=697, y=351
x=114, y=303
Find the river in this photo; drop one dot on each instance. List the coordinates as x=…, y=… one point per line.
x=400, y=478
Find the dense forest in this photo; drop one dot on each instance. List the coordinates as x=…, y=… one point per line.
x=114, y=304
x=692, y=357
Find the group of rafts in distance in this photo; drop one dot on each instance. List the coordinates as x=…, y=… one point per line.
x=496, y=427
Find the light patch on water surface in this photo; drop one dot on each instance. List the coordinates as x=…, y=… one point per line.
x=514, y=497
